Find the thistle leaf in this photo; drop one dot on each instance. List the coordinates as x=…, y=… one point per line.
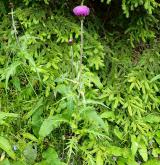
x=5, y=145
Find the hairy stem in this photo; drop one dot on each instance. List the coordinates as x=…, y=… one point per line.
x=82, y=2
x=72, y=61
x=81, y=58
x=14, y=26
x=81, y=50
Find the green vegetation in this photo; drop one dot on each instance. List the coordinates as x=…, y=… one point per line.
x=112, y=115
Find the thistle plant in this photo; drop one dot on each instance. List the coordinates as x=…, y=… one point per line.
x=81, y=11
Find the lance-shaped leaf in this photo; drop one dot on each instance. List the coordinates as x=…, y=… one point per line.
x=5, y=145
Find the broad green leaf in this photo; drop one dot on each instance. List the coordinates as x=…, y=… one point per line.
x=10, y=71
x=115, y=151
x=118, y=133
x=158, y=133
x=121, y=161
x=157, y=140
x=108, y=115
x=155, y=78
x=95, y=79
x=5, y=145
x=92, y=78
x=152, y=118
x=63, y=89
x=36, y=108
x=29, y=57
x=99, y=158
x=19, y=163
x=127, y=153
x=50, y=157
x=50, y=124
x=135, y=145
x=30, y=137
x=37, y=121
x=152, y=162
x=5, y=162
x=91, y=115
x=30, y=153
x=16, y=83
x=70, y=104
x=143, y=153
x=131, y=161
x=156, y=152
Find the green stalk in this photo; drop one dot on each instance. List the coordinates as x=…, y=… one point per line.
x=82, y=2
x=14, y=27
x=72, y=61
x=81, y=58
x=81, y=49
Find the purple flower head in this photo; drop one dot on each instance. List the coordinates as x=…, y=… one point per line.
x=81, y=11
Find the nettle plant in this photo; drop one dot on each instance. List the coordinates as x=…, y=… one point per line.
x=70, y=97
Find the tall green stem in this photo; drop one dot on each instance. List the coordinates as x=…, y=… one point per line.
x=14, y=27
x=81, y=50
x=82, y=2
x=81, y=56
x=72, y=61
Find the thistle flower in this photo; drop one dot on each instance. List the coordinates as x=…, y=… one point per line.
x=81, y=11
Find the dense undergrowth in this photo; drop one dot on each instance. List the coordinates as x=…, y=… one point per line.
x=115, y=118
